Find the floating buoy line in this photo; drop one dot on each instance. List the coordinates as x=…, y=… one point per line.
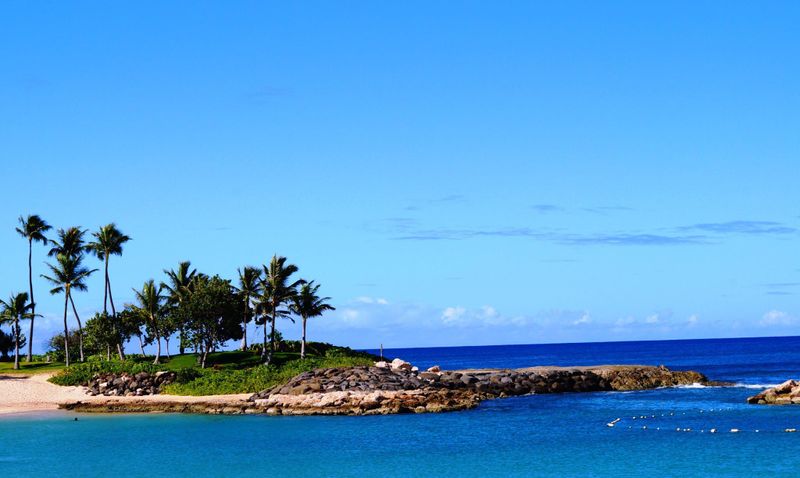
x=613, y=423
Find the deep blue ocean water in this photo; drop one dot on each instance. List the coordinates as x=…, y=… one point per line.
x=545, y=435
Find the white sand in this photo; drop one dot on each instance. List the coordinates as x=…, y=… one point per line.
x=31, y=393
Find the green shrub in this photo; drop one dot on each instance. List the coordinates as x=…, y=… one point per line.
x=82, y=373
x=256, y=379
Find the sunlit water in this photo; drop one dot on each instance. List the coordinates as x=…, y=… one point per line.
x=545, y=435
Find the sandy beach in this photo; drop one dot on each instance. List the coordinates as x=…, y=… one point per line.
x=32, y=393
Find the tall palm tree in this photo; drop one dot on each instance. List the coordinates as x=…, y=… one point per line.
x=108, y=241
x=277, y=291
x=178, y=288
x=67, y=274
x=33, y=229
x=307, y=303
x=150, y=302
x=15, y=309
x=249, y=287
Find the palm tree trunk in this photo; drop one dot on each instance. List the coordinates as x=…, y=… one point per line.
x=166, y=341
x=158, y=341
x=80, y=327
x=120, y=350
x=272, y=335
x=181, y=346
x=244, y=326
x=141, y=344
x=303, y=342
x=105, y=289
x=16, y=343
x=66, y=331
x=264, y=348
x=33, y=304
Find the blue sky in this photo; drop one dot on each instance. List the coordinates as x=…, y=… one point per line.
x=453, y=173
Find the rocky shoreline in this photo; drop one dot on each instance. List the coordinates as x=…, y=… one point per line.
x=787, y=393
x=397, y=387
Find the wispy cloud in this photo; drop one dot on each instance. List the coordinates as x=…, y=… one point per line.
x=546, y=208
x=605, y=210
x=741, y=227
x=575, y=239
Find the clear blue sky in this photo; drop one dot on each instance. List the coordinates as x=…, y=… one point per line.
x=451, y=172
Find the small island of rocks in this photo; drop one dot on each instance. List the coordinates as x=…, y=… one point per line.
x=392, y=387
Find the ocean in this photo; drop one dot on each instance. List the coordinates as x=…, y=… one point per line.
x=664, y=432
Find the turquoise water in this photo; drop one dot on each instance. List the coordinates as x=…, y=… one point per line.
x=547, y=435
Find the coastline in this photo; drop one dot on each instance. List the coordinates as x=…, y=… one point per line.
x=382, y=389
x=31, y=394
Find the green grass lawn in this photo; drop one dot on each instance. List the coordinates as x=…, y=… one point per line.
x=30, y=368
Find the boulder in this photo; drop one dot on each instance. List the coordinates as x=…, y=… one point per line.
x=787, y=393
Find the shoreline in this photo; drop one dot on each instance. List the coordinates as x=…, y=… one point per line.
x=31, y=394
x=381, y=389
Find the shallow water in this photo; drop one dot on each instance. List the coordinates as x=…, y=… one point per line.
x=547, y=435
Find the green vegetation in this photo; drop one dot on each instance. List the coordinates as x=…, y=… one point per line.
x=29, y=368
x=205, y=311
x=261, y=377
x=12, y=311
x=228, y=372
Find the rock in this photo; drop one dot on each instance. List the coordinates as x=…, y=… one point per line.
x=399, y=364
x=784, y=394
x=382, y=364
x=397, y=388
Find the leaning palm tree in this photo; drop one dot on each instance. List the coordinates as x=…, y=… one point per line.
x=249, y=287
x=15, y=309
x=178, y=288
x=308, y=304
x=276, y=292
x=108, y=241
x=68, y=274
x=150, y=303
x=33, y=229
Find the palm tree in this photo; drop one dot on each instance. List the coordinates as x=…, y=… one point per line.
x=15, y=309
x=69, y=274
x=33, y=229
x=249, y=287
x=150, y=302
x=179, y=287
x=69, y=243
x=308, y=304
x=277, y=291
x=108, y=241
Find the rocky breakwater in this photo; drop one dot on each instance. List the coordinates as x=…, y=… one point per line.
x=126, y=385
x=398, y=387
x=786, y=393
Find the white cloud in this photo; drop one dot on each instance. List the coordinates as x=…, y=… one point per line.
x=583, y=319
x=371, y=300
x=777, y=318
x=692, y=320
x=453, y=315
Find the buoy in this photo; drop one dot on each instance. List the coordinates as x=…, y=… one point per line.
x=791, y=430
x=644, y=427
x=734, y=430
x=713, y=430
